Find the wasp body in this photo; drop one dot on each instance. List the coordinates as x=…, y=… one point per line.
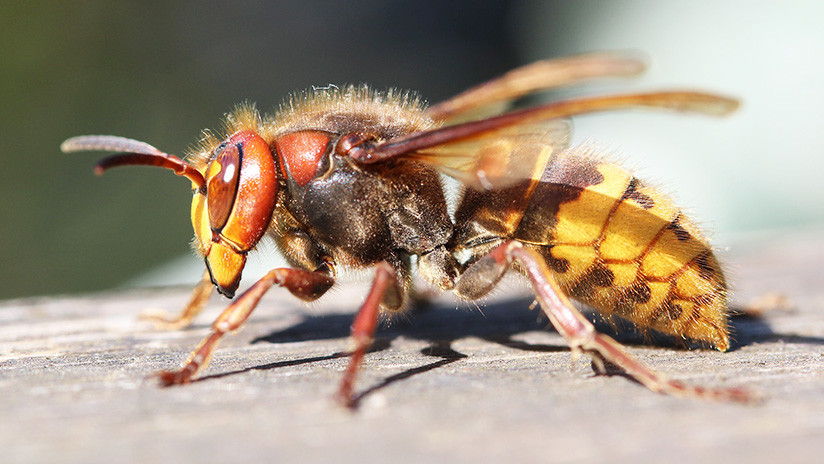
x=351, y=178
x=612, y=242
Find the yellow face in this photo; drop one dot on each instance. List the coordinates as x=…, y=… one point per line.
x=233, y=210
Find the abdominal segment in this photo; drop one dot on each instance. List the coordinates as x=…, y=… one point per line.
x=625, y=249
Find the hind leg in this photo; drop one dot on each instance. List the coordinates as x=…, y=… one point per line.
x=480, y=277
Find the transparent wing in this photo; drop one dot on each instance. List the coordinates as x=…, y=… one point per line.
x=495, y=152
x=492, y=97
x=502, y=157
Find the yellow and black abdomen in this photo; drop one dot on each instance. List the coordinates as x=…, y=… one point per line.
x=625, y=249
x=613, y=243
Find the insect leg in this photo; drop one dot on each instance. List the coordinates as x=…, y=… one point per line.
x=581, y=335
x=164, y=321
x=363, y=328
x=307, y=285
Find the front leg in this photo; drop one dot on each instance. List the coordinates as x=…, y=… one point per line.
x=579, y=333
x=165, y=321
x=307, y=285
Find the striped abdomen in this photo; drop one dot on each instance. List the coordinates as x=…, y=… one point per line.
x=617, y=245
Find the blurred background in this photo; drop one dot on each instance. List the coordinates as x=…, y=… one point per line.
x=163, y=71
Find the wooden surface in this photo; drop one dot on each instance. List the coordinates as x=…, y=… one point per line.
x=489, y=385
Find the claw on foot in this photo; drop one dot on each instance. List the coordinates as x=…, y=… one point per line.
x=170, y=378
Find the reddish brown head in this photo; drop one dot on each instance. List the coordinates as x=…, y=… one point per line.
x=233, y=211
x=235, y=192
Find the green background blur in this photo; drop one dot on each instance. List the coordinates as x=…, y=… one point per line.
x=161, y=71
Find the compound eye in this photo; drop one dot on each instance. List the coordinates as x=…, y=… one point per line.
x=222, y=183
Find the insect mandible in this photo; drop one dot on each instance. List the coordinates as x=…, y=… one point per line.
x=350, y=177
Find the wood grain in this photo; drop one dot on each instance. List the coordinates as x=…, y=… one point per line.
x=474, y=385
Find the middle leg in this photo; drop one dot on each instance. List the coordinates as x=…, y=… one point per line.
x=386, y=285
